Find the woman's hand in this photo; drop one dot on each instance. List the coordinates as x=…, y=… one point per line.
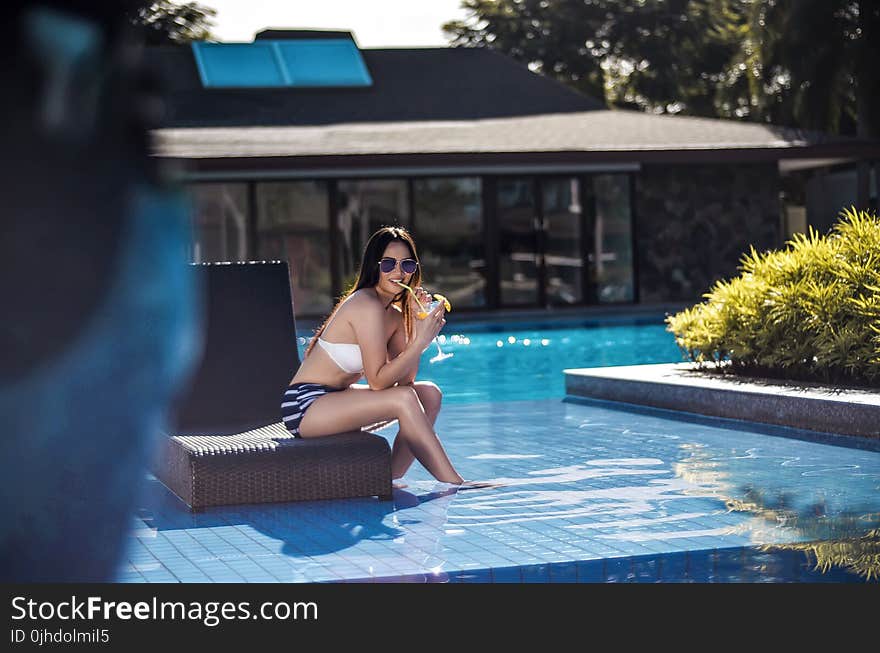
x=423, y=296
x=424, y=331
x=419, y=300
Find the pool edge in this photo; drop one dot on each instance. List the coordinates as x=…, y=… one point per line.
x=681, y=387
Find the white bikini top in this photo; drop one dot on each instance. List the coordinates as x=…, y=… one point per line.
x=346, y=355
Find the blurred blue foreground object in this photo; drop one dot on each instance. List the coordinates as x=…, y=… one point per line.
x=99, y=324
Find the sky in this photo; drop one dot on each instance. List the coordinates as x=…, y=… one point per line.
x=375, y=23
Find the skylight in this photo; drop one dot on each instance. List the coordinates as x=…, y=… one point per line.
x=281, y=63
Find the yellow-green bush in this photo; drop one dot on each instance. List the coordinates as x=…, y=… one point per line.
x=809, y=311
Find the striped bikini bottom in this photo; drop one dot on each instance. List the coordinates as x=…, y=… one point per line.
x=297, y=398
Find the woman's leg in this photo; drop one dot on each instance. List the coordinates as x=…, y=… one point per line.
x=402, y=456
x=351, y=409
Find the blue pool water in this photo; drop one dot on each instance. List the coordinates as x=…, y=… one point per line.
x=517, y=363
x=590, y=491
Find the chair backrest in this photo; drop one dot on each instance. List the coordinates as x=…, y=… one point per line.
x=250, y=351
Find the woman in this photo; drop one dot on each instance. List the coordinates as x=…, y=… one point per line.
x=373, y=332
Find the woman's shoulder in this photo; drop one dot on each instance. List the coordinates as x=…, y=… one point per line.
x=362, y=300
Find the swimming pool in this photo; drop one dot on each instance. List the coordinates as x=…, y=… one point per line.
x=592, y=491
x=506, y=363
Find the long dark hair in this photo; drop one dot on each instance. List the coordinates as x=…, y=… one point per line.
x=368, y=276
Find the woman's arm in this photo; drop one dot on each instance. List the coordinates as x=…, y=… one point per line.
x=368, y=324
x=396, y=346
x=397, y=343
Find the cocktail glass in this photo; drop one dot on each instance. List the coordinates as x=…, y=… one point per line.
x=423, y=313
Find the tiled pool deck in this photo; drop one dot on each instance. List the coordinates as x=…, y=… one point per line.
x=592, y=491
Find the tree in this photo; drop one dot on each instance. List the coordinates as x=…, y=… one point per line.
x=826, y=53
x=673, y=56
x=805, y=63
x=654, y=55
x=564, y=40
x=167, y=23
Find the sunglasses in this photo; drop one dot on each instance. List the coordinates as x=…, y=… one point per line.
x=407, y=265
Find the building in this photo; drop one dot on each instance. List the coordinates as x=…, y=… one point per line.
x=521, y=192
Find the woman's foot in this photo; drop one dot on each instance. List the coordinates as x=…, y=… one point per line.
x=398, y=485
x=478, y=485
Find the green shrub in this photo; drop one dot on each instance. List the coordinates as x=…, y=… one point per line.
x=809, y=311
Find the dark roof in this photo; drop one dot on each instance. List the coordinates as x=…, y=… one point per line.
x=409, y=84
x=297, y=34
x=635, y=135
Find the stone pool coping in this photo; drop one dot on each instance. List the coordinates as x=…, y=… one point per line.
x=680, y=386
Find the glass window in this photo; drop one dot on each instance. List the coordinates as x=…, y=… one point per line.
x=562, y=238
x=517, y=249
x=364, y=206
x=292, y=225
x=613, y=256
x=219, y=223
x=449, y=223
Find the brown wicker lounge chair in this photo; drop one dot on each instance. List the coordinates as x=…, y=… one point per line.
x=229, y=445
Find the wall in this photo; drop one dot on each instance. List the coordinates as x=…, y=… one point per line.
x=694, y=222
x=831, y=191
